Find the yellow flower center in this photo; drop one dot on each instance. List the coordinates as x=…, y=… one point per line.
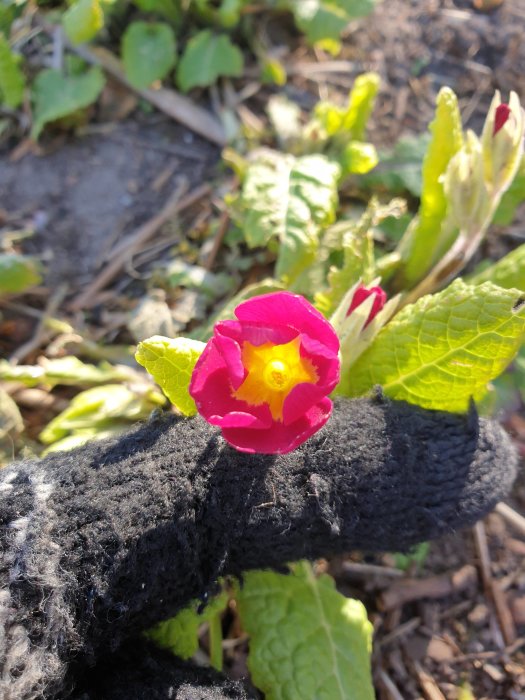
x=273, y=371
x=276, y=375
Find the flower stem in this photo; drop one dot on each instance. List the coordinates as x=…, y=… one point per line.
x=215, y=633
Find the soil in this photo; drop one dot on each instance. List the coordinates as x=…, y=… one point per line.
x=86, y=192
x=422, y=45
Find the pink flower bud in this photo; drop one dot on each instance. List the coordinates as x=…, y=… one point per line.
x=503, y=112
x=361, y=294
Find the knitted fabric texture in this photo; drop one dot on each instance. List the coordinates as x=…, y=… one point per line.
x=139, y=671
x=101, y=542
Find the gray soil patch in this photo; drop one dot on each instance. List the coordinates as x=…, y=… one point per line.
x=82, y=197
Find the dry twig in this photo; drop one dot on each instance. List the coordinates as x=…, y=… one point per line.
x=492, y=587
x=512, y=517
x=40, y=333
x=409, y=589
x=360, y=569
x=389, y=685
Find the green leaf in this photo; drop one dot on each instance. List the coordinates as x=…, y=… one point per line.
x=509, y=272
x=56, y=95
x=358, y=261
x=100, y=409
x=324, y=20
x=512, y=199
x=229, y=12
x=307, y=640
x=17, y=273
x=399, y=169
x=360, y=104
x=12, y=81
x=148, y=52
x=10, y=418
x=8, y=13
x=170, y=361
x=178, y=273
x=170, y=9
x=83, y=20
x=417, y=555
x=441, y=351
x=355, y=240
x=208, y=56
x=358, y=158
x=83, y=435
x=273, y=72
x=179, y=634
x=289, y=199
x=349, y=122
x=422, y=240
x=285, y=117
x=69, y=371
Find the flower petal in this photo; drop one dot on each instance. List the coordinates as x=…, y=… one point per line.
x=231, y=354
x=325, y=361
x=288, y=310
x=300, y=400
x=215, y=400
x=209, y=362
x=239, y=419
x=281, y=438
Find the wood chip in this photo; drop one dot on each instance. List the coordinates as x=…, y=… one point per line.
x=493, y=672
x=517, y=608
x=428, y=685
x=439, y=650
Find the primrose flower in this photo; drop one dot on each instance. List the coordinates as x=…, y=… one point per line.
x=264, y=379
x=361, y=294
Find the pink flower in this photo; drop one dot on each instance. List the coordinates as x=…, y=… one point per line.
x=503, y=112
x=361, y=294
x=264, y=379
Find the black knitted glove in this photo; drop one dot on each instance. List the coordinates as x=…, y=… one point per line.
x=100, y=543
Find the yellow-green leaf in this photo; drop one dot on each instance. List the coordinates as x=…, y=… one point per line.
x=170, y=361
x=83, y=20
x=442, y=351
x=422, y=240
x=12, y=81
x=180, y=634
x=100, y=411
x=508, y=272
x=291, y=199
x=360, y=104
x=307, y=640
x=18, y=273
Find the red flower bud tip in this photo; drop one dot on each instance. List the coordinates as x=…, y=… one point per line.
x=503, y=112
x=361, y=294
